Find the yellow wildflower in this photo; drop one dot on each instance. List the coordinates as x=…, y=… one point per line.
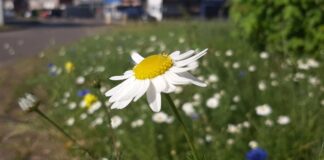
x=69, y=67
x=89, y=99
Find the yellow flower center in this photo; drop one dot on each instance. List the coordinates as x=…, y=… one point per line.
x=153, y=66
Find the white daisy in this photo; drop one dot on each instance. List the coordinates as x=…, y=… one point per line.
x=263, y=110
x=283, y=120
x=230, y=141
x=137, y=123
x=212, y=102
x=154, y=75
x=80, y=80
x=188, y=108
x=28, y=102
x=160, y=117
x=116, y=121
x=264, y=55
x=269, y=122
x=70, y=121
x=231, y=128
x=253, y=144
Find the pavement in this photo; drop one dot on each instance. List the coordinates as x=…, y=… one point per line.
x=32, y=38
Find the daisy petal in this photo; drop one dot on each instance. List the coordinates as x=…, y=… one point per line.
x=122, y=77
x=159, y=83
x=183, y=69
x=173, y=78
x=191, y=59
x=170, y=87
x=134, y=90
x=142, y=90
x=136, y=57
x=121, y=104
x=193, y=79
x=153, y=98
x=127, y=93
x=174, y=54
x=119, y=87
x=184, y=55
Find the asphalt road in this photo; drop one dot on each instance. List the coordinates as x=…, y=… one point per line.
x=31, y=39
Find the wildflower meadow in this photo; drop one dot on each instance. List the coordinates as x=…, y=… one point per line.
x=178, y=90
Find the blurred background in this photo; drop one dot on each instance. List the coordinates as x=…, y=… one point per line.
x=96, y=9
x=264, y=69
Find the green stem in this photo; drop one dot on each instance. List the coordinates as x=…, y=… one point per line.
x=186, y=132
x=110, y=130
x=43, y=115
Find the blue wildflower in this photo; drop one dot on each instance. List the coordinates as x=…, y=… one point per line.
x=257, y=154
x=50, y=65
x=83, y=92
x=52, y=69
x=194, y=116
x=242, y=74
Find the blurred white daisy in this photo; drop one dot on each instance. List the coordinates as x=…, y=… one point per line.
x=197, y=97
x=246, y=124
x=231, y=128
x=212, y=102
x=137, y=123
x=312, y=63
x=262, y=86
x=274, y=83
x=160, y=117
x=273, y=75
x=236, y=65
x=230, y=141
x=236, y=99
x=268, y=122
x=94, y=107
x=188, y=108
x=28, y=102
x=70, y=121
x=181, y=40
x=283, y=120
x=217, y=54
x=208, y=138
x=253, y=144
x=314, y=81
x=229, y=53
x=252, y=68
x=322, y=102
x=153, y=38
x=72, y=105
x=80, y=80
x=264, y=55
x=116, y=121
x=97, y=121
x=178, y=90
x=83, y=116
x=263, y=110
x=67, y=94
x=212, y=78
x=154, y=75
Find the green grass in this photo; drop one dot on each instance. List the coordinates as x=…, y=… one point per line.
x=301, y=139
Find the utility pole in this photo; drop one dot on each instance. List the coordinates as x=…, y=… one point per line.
x=1, y=13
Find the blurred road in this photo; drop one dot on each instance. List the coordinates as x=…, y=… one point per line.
x=33, y=38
